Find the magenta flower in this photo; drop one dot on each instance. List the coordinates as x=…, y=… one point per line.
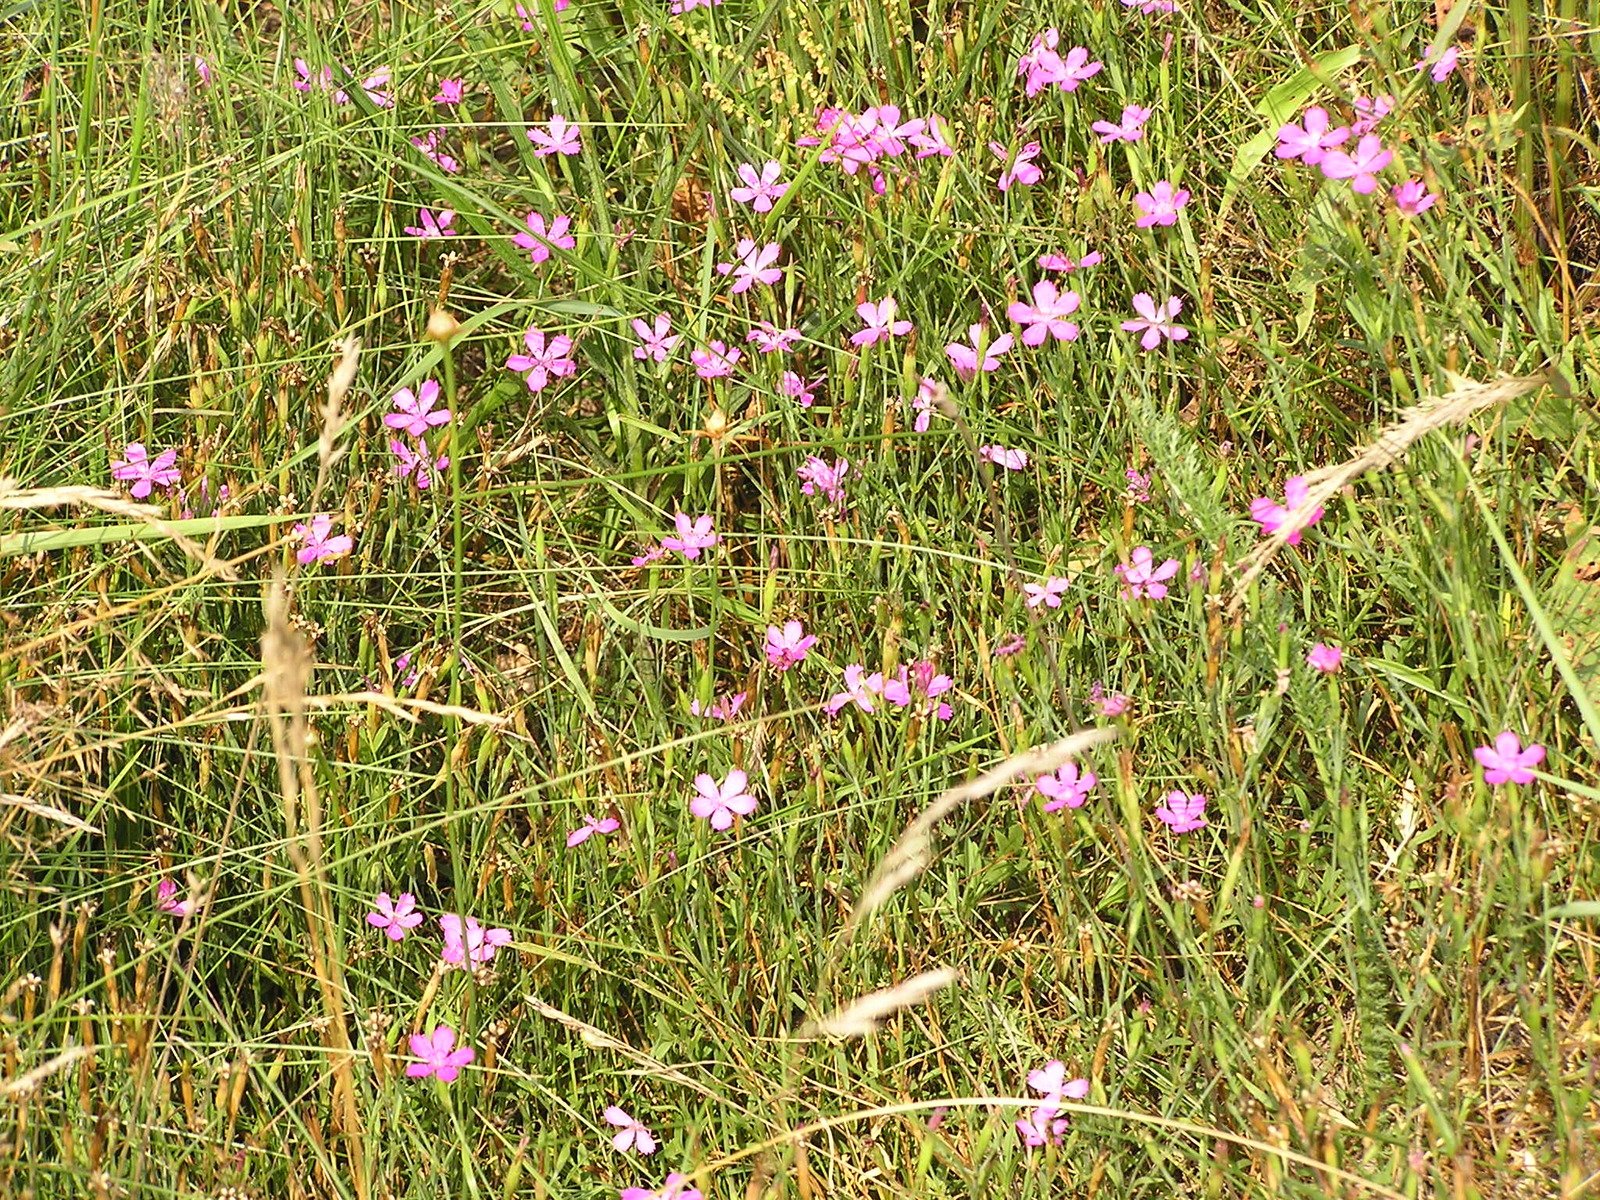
x=1183, y=812
x=715, y=361
x=1151, y=7
x=146, y=473
x=527, y=17
x=1369, y=111
x=921, y=679
x=469, y=941
x=438, y=1056
x=1325, y=658
x=590, y=827
x=1412, y=197
x=559, y=137
x=798, y=387
x=931, y=138
x=860, y=689
x=1506, y=761
x=1131, y=128
x=202, y=70
x=396, y=916
x=719, y=803
x=316, y=545
x=753, y=265
x=761, y=189
x=677, y=1185
x=417, y=463
x=788, y=646
x=631, y=1135
x=723, y=709
x=967, y=360
x=1021, y=170
x=167, y=900
x=1048, y=593
x=1046, y=316
x=1155, y=322
x=1004, y=457
x=451, y=91
x=694, y=535
x=544, y=361
x=414, y=413
x=1051, y=1081
x=1272, y=516
x=428, y=144
x=1052, y=261
x=539, y=239
x=1310, y=140
x=769, y=339
x=431, y=225
x=879, y=321
x=307, y=79
x=373, y=85
x=1044, y=67
x=1160, y=205
x=1142, y=579
x=1442, y=67
x=1013, y=643
x=1360, y=168
x=677, y=9
x=656, y=342
x=818, y=478
x=1112, y=704
x=1066, y=787
x=922, y=404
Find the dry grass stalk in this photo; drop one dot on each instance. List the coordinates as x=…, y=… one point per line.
x=23, y=1085
x=407, y=707
x=47, y=811
x=332, y=411
x=863, y=1016
x=599, y=1039
x=1390, y=446
x=914, y=851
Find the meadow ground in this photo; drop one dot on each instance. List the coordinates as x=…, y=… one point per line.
x=514, y=521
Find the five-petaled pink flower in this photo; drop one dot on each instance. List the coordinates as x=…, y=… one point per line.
x=145, y=473
x=1310, y=140
x=1360, y=168
x=1043, y=66
x=1046, y=316
x=860, y=689
x=167, y=900
x=761, y=189
x=1021, y=169
x=428, y=144
x=920, y=679
x=1131, y=128
x=724, y=708
x=1065, y=787
x=417, y=462
x=1156, y=322
x=715, y=361
x=1183, y=812
x=539, y=239
x=753, y=265
x=798, y=387
x=817, y=477
x=316, y=545
x=1108, y=704
x=527, y=17
x=433, y=225
x=694, y=535
x=1142, y=578
x=879, y=321
x=1004, y=457
x=1369, y=111
x=451, y=91
x=632, y=1134
x=1160, y=205
x=965, y=358
x=1272, y=516
x=545, y=360
x=1150, y=8
x=1507, y=761
x=677, y=1185
x=396, y=916
x=1051, y=260
x=414, y=412
x=1412, y=197
x=1048, y=593
x=1051, y=1082
x=922, y=404
x=655, y=342
x=438, y=1055
x=1325, y=658
x=468, y=941
x=788, y=646
x=590, y=827
x=767, y=338
x=1441, y=68
x=719, y=803
x=559, y=137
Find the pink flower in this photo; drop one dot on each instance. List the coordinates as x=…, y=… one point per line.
x=544, y=360
x=1021, y=170
x=202, y=69
x=1183, y=812
x=1272, y=516
x=373, y=85
x=438, y=1055
x=1045, y=317
x=451, y=91
x=1443, y=67
x=1412, y=197
x=1130, y=130
x=879, y=321
x=1156, y=323
x=145, y=473
x=1369, y=111
x=657, y=342
x=433, y=226
x=694, y=535
x=1506, y=761
x=860, y=689
x=1138, y=486
x=632, y=1134
x=307, y=80
x=769, y=339
x=920, y=679
x=414, y=413
x=724, y=709
x=527, y=17
x=719, y=803
x=1360, y=168
x=1112, y=704
x=1044, y=67
x=922, y=404
x=1051, y=1081
x=558, y=137
x=1065, y=788
x=397, y=916
x=1160, y=205
x=590, y=827
x=966, y=359
x=715, y=361
x=677, y=1184
x=1043, y=1126
x=1310, y=140
x=1002, y=456
x=678, y=8
x=818, y=478
x=753, y=265
x=469, y=941
x=1048, y=593
x=798, y=387
x=932, y=138
x=1325, y=658
x=760, y=190
x=428, y=144
x=417, y=463
x=167, y=900
x=1142, y=579
x=316, y=545
x=1150, y=7
x=539, y=239
x=1010, y=644
x=788, y=646
x=1051, y=261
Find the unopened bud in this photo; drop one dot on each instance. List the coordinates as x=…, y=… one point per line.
x=442, y=327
